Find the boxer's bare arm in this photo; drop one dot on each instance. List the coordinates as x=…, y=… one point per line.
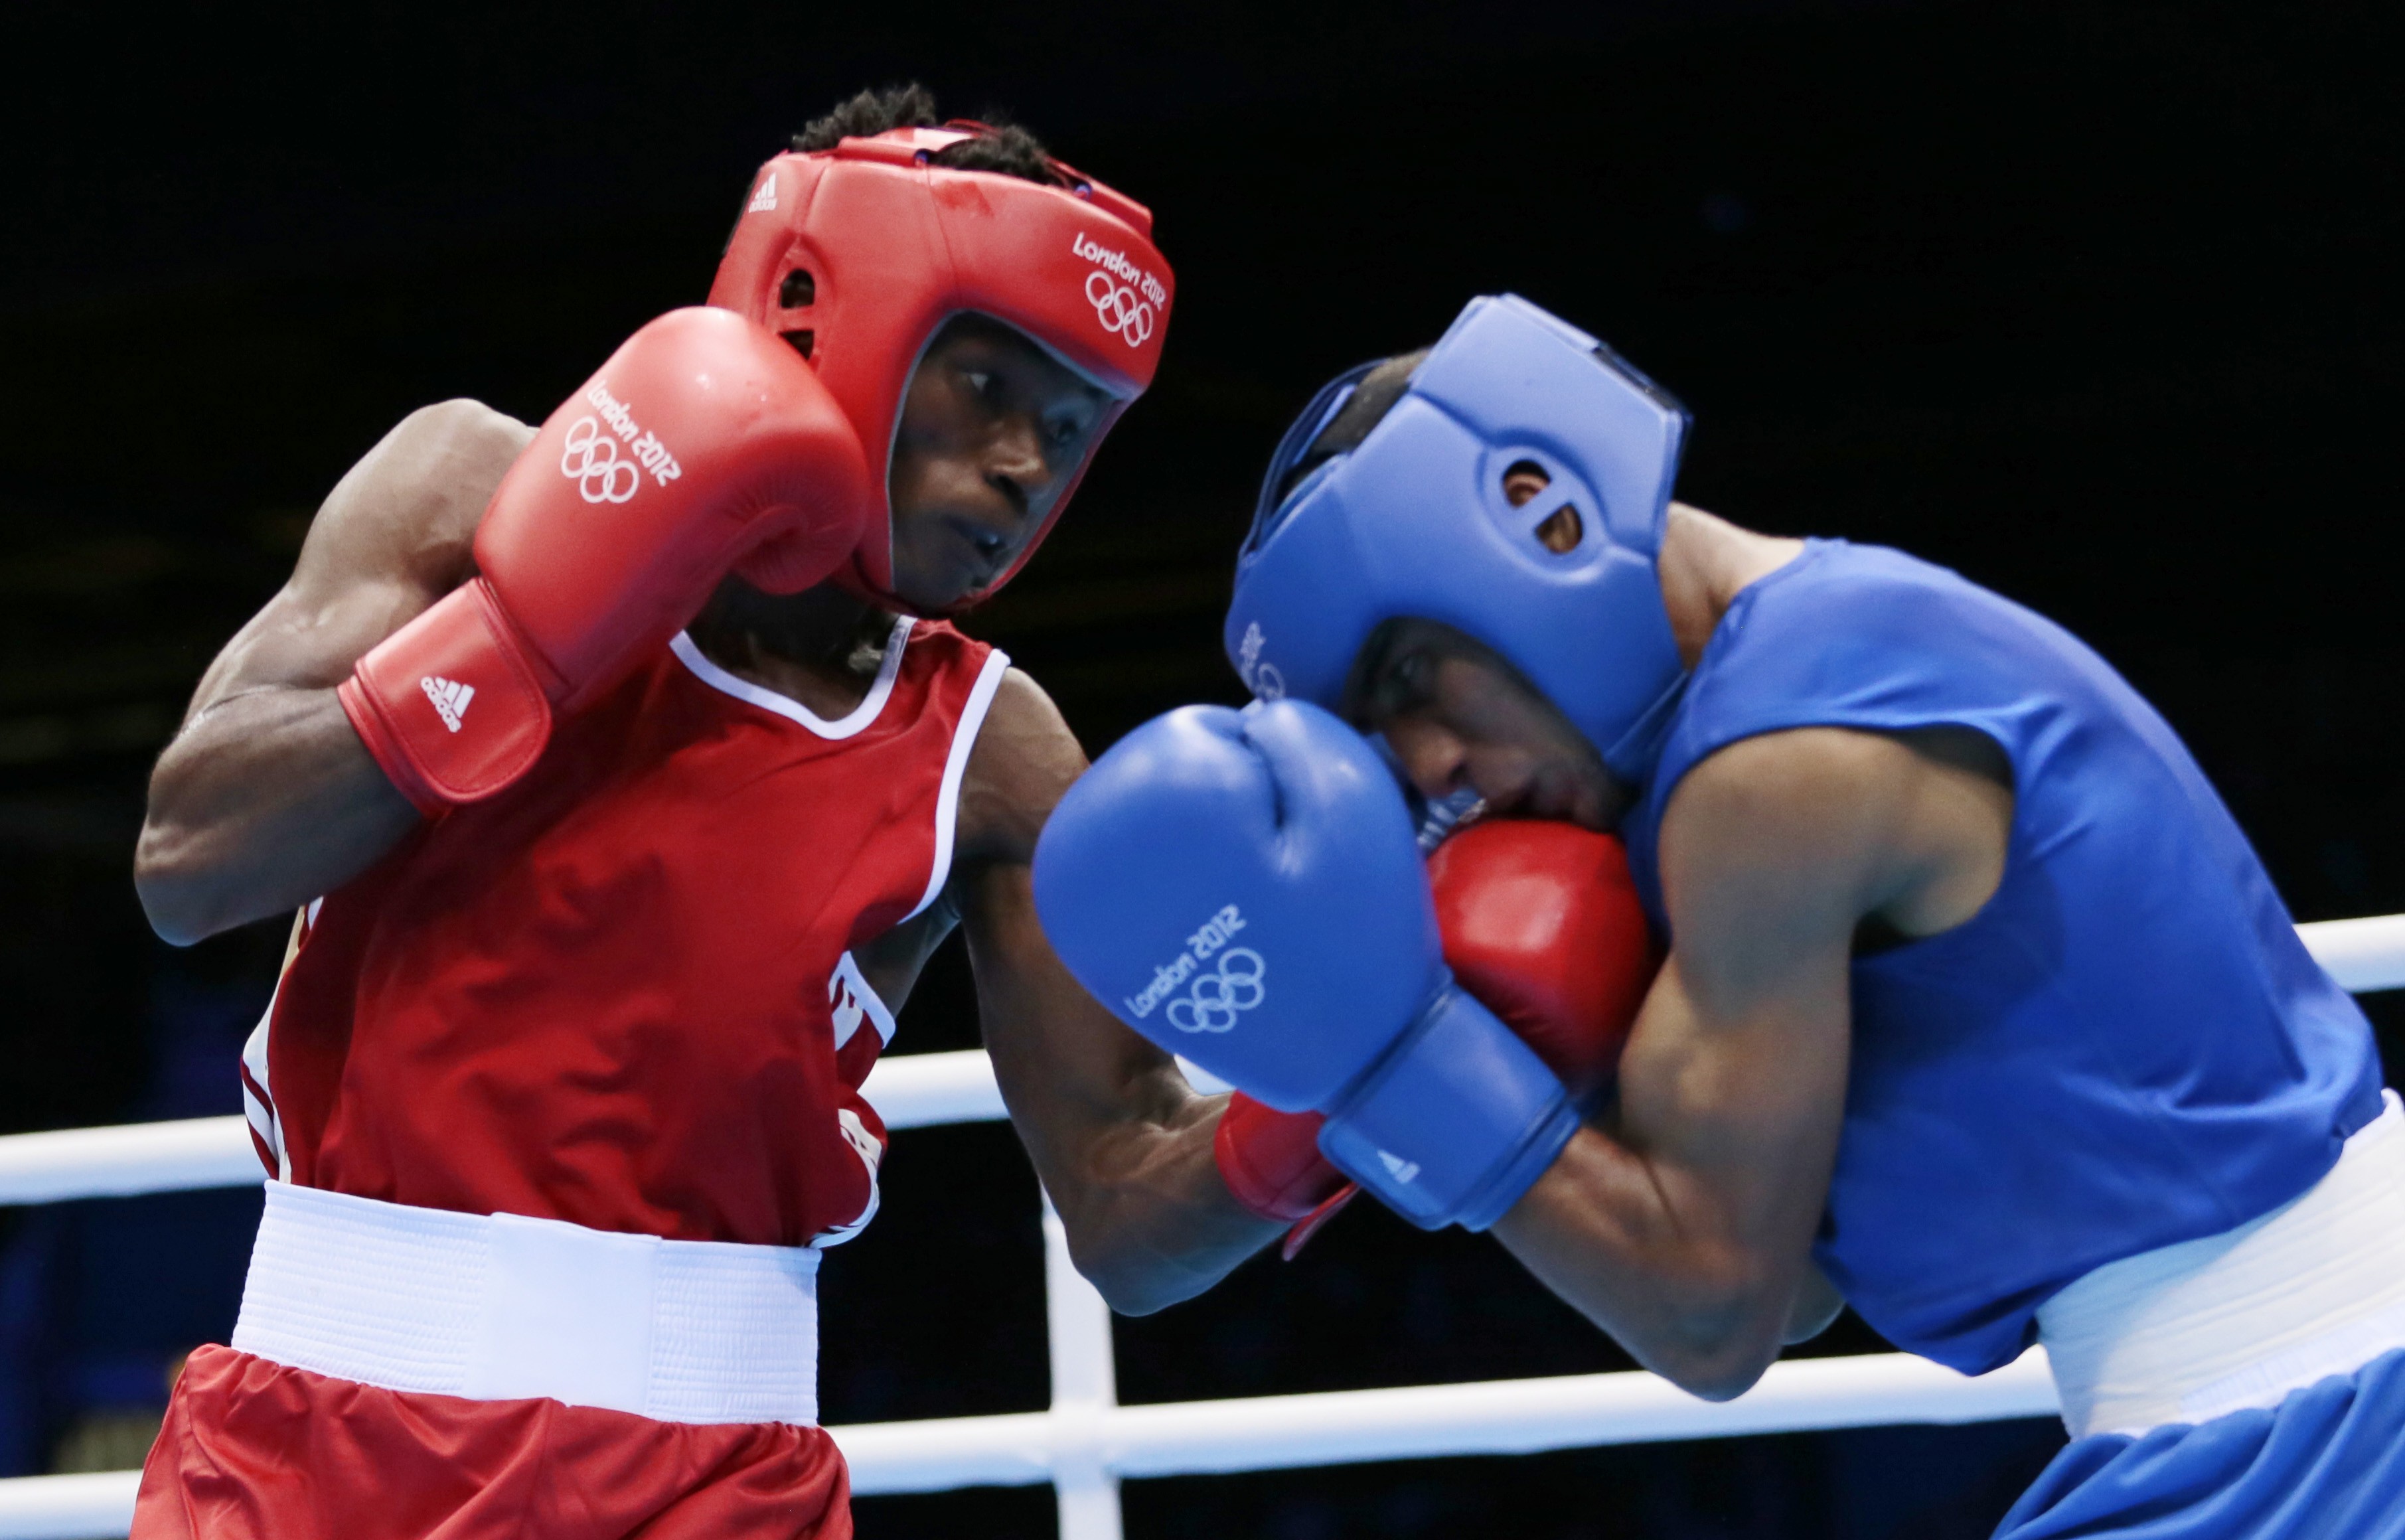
x=1684, y=1226
x=266, y=798
x=1121, y=1142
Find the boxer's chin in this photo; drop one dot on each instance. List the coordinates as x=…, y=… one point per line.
x=936, y=586
x=942, y=568
x=939, y=598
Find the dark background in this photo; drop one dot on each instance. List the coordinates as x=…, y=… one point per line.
x=2092, y=301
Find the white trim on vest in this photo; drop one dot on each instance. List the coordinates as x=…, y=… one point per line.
x=851, y=999
x=956, y=766
x=766, y=699
x=259, y=1104
x=258, y=1092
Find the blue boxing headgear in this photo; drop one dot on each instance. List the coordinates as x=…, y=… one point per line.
x=1414, y=523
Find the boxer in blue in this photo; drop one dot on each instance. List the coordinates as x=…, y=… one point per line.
x=1979, y=1013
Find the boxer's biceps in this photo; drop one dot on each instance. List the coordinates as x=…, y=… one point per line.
x=1024, y=760
x=1743, y=1092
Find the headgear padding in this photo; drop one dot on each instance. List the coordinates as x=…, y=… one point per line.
x=860, y=253
x=1414, y=522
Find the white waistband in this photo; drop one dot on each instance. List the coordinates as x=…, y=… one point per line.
x=2193, y=1332
x=502, y=1308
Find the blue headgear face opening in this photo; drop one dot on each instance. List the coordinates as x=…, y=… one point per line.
x=1414, y=522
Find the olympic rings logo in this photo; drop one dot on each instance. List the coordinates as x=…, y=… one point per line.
x=1211, y=1005
x=592, y=462
x=1117, y=308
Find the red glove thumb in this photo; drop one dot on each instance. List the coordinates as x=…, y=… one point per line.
x=1541, y=923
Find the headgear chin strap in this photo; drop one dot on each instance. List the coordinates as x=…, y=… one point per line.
x=1414, y=522
x=858, y=254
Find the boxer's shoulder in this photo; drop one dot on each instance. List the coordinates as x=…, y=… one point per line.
x=464, y=432
x=1839, y=824
x=1797, y=806
x=1025, y=758
x=454, y=450
x=408, y=508
x=396, y=534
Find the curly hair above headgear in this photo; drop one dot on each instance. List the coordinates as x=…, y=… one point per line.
x=1002, y=147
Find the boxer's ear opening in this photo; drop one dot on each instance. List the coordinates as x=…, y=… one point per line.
x=798, y=289
x=1522, y=481
x=802, y=340
x=1561, y=531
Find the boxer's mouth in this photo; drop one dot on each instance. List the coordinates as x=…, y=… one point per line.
x=1547, y=795
x=987, y=551
x=1518, y=801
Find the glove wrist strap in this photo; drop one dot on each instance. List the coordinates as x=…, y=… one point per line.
x=448, y=706
x=1456, y=1122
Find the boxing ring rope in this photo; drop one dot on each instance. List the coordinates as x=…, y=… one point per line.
x=1086, y=1443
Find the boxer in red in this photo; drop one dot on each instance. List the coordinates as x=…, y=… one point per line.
x=622, y=798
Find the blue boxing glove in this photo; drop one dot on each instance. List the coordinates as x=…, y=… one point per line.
x=1245, y=888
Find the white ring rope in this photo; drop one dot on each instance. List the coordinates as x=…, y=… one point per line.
x=1087, y=1443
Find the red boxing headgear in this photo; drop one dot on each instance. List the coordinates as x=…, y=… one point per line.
x=858, y=254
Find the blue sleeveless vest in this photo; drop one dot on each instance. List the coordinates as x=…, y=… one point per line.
x=2128, y=1046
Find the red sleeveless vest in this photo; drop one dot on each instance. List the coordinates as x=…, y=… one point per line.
x=622, y=993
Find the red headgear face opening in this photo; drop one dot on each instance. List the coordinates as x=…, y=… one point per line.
x=858, y=254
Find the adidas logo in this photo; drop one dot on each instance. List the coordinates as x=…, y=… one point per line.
x=766, y=199
x=1401, y=1170
x=451, y=699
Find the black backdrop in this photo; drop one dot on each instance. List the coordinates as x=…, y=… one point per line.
x=2092, y=301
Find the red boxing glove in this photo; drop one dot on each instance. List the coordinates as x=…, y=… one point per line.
x=1271, y=1163
x=1543, y=924
x=704, y=445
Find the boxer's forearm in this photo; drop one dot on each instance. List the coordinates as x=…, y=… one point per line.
x=1121, y=1142
x=1686, y=1226
x=1124, y=1146
x=1150, y=1219
x=264, y=801
x=1606, y=1231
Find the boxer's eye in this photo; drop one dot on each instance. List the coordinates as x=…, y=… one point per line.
x=1410, y=682
x=1065, y=429
x=981, y=383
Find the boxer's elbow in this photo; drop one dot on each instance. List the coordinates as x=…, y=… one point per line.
x=173, y=881
x=1145, y=1249
x=1716, y=1371
x=1720, y=1344
x=1715, y=1342
x=1131, y=1293
x=1137, y=1278
x=177, y=858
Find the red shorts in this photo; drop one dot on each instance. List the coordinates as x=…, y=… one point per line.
x=255, y=1451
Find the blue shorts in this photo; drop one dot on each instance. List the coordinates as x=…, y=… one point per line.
x=2326, y=1463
